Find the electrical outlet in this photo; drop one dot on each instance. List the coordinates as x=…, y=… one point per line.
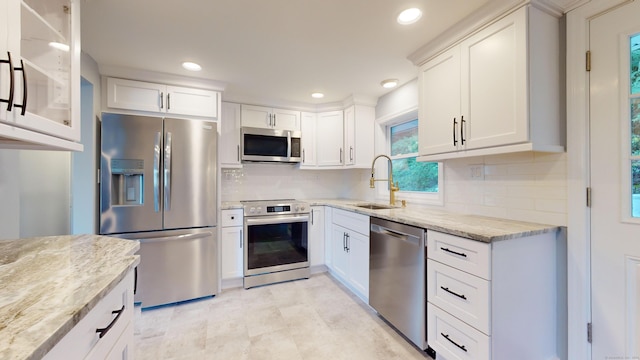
x=476, y=172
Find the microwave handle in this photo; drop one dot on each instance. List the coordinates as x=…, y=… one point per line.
x=289, y=144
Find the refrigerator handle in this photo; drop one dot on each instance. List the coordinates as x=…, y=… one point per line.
x=167, y=173
x=156, y=173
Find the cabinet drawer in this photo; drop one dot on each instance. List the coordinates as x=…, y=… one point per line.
x=351, y=220
x=453, y=339
x=467, y=255
x=83, y=338
x=464, y=296
x=232, y=217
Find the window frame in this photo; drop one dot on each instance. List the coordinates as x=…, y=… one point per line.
x=384, y=147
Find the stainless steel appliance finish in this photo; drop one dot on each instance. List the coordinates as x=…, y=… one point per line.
x=176, y=265
x=159, y=174
x=275, y=241
x=397, y=279
x=270, y=145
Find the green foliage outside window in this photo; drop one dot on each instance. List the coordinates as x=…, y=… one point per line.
x=410, y=174
x=635, y=111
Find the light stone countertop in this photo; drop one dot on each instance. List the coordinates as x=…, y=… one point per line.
x=480, y=228
x=49, y=284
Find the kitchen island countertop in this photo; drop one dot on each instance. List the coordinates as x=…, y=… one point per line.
x=50, y=283
x=475, y=227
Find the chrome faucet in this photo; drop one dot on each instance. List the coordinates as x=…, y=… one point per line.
x=392, y=188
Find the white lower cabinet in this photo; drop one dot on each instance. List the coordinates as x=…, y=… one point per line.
x=316, y=237
x=350, y=251
x=493, y=300
x=113, y=315
x=232, y=245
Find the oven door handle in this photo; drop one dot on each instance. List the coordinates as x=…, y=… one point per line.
x=268, y=220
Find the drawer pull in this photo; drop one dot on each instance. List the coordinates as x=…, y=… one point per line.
x=103, y=331
x=453, y=252
x=452, y=293
x=461, y=347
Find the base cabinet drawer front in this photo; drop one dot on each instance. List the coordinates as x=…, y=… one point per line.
x=232, y=217
x=452, y=339
x=351, y=220
x=467, y=255
x=462, y=295
x=113, y=315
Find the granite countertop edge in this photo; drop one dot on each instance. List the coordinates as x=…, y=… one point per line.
x=24, y=344
x=480, y=228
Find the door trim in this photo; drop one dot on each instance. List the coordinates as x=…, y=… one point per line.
x=578, y=172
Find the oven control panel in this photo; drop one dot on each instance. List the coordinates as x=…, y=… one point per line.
x=266, y=208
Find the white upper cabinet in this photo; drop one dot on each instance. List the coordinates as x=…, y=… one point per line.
x=496, y=91
x=329, y=137
x=159, y=98
x=40, y=74
x=359, y=121
x=270, y=118
x=230, y=136
x=308, y=128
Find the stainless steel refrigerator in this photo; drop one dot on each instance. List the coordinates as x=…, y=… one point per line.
x=158, y=185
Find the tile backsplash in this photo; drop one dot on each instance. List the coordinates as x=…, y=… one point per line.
x=521, y=186
x=282, y=181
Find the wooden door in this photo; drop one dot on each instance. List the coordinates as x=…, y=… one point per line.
x=615, y=154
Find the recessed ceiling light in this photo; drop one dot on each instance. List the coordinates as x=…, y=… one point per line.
x=409, y=16
x=191, y=66
x=317, y=95
x=59, y=46
x=389, y=83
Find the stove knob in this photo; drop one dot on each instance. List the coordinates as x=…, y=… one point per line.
x=259, y=210
x=302, y=208
x=297, y=208
x=252, y=210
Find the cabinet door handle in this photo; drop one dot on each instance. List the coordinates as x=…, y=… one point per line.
x=351, y=153
x=9, y=101
x=274, y=120
x=344, y=241
x=462, y=130
x=161, y=100
x=455, y=142
x=238, y=153
x=453, y=252
x=24, y=89
x=340, y=155
x=168, y=101
x=303, y=156
x=348, y=241
x=103, y=331
x=311, y=216
x=453, y=293
x=461, y=347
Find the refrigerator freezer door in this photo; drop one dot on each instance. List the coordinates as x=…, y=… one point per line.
x=176, y=265
x=130, y=192
x=189, y=172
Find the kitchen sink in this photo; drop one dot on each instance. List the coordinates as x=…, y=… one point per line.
x=372, y=206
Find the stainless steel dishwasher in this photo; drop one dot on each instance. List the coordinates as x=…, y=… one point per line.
x=397, y=279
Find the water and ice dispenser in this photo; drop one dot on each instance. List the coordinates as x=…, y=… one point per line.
x=127, y=182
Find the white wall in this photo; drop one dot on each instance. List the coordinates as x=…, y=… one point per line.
x=84, y=164
x=280, y=181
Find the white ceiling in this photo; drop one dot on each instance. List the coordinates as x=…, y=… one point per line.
x=269, y=51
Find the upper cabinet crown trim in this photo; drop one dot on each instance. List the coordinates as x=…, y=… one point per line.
x=478, y=20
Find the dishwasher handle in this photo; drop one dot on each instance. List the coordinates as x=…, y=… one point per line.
x=395, y=234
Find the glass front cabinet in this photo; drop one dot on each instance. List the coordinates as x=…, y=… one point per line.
x=40, y=74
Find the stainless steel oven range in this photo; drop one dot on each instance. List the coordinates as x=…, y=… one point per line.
x=275, y=245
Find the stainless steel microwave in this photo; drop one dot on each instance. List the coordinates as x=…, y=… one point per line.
x=270, y=145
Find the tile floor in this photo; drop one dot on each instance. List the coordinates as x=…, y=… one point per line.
x=306, y=319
